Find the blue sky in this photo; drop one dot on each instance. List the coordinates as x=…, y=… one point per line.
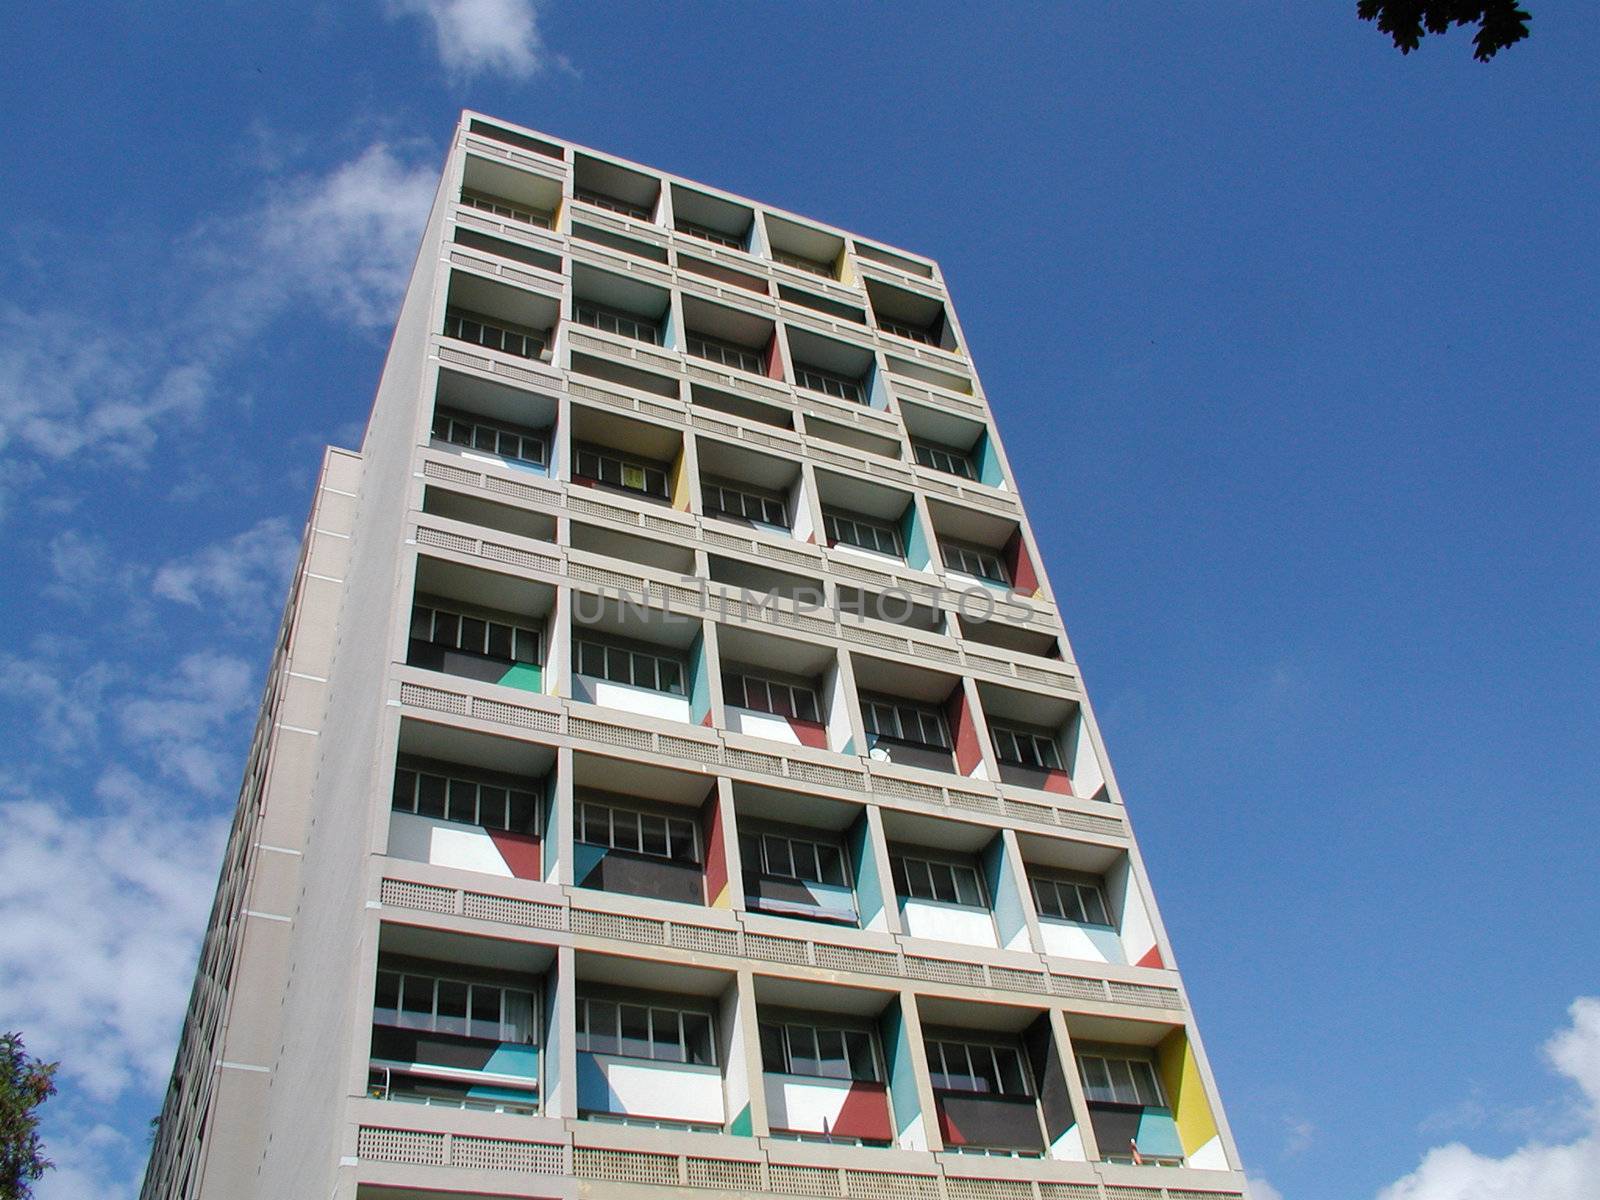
x=1293, y=343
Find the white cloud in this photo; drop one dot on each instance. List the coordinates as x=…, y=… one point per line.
x=475, y=36
x=1260, y=1189
x=62, y=704
x=1537, y=1170
x=244, y=576
x=177, y=722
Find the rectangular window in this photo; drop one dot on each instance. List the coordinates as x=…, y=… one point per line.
x=905, y=721
x=633, y=668
x=974, y=561
x=477, y=434
x=452, y=1006
x=645, y=1031
x=476, y=635
x=618, y=323
x=907, y=331
x=841, y=387
x=497, y=335
x=612, y=204
x=801, y=263
x=504, y=208
x=706, y=234
x=940, y=458
x=782, y=857
x=611, y=469
x=862, y=532
x=934, y=879
x=977, y=1067
x=1070, y=900
x=769, y=696
x=468, y=801
x=602, y=824
x=1118, y=1079
x=741, y=358
x=822, y=1052
x=1025, y=748
x=743, y=503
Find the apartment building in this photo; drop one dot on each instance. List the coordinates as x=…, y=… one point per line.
x=673, y=772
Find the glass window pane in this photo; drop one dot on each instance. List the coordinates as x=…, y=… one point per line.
x=831, y=1061
x=499, y=640
x=683, y=841
x=985, y=1069
x=1012, y=1080
x=625, y=830
x=416, y=1002
x=802, y=1050
x=474, y=634
x=524, y=813
x=635, y=1040
x=618, y=669
x=1094, y=907
x=492, y=807
x=644, y=671
x=772, y=1056
x=1096, y=1081
x=897, y=868
x=446, y=629
x=1122, y=1081
x=386, y=998
x=967, y=890
x=654, y=839
x=671, y=677
x=782, y=701
x=733, y=690
x=430, y=795
x=602, y=1027
x=938, y=1076
x=779, y=860
x=830, y=866
x=664, y=1035
x=463, y=801
x=944, y=881
x=697, y=1039
x=596, y=825
x=452, y=1008
x=485, y=1011
x=858, y=1045
x=1045, y=898
x=405, y=790
x=422, y=623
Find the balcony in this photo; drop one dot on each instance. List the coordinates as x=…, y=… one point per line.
x=839, y=370
x=638, y=659
x=1088, y=905
x=980, y=550
x=488, y=422
x=917, y=717
x=635, y=458
x=1041, y=742
x=871, y=522
x=984, y=1092
x=1128, y=1110
x=731, y=338
x=823, y=1067
x=496, y=317
x=951, y=445
x=759, y=491
x=804, y=248
x=782, y=690
x=911, y=316
x=807, y=858
x=479, y=625
x=509, y=194
x=641, y=830
x=711, y=219
x=614, y=188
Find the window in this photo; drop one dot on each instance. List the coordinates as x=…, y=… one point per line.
x=817, y=380
x=709, y=235
x=977, y=1067
x=905, y=721
x=769, y=696
x=462, y=430
x=618, y=323
x=673, y=838
x=504, y=208
x=1119, y=1079
x=485, y=331
x=1070, y=900
x=907, y=331
x=613, y=470
x=971, y=560
x=634, y=668
x=739, y=502
x=612, y=204
x=475, y=635
x=818, y=1051
x=1023, y=748
x=784, y=857
x=939, y=458
x=862, y=532
x=453, y=1006
x=469, y=801
x=933, y=879
x=801, y=263
x=645, y=1031
x=729, y=355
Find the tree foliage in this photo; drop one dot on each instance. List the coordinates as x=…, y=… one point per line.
x=1500, y=23
x=25, y=1084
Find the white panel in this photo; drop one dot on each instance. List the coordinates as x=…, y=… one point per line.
x=444, y=843
x=804, y=1104
x=1069, y=1147
x=1076, y=941
x=630, y=699
x=838, y=710
x=1087, y=778
x=1133, y=919
x=1209, y=1157
x=762, y=725
x=948, y=923
x=675, y=1090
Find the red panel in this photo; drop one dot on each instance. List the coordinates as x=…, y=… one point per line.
x=810, y=733
x=520, y=852
x=865, y=1113
x=716, y=852
x=959, y=715
x=774, y=359
x=1020, y=565
x=947, y=1128
x=1058, y=782
x=1152, y=958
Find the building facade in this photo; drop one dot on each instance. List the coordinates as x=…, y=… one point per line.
x=673, y=772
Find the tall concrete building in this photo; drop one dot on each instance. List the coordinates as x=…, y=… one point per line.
x=673, y=772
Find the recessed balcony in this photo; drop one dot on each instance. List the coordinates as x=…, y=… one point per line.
x=824, y=1069
x=807, y=858
x=1041, y=742
x=711, y=219
x=491, y=423
x=804, y=247
x=479, y=625
x=640, y=830
x=496, y=317
x=614, y=188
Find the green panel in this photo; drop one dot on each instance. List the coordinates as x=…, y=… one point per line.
x=742, y=1125
x=525, y=676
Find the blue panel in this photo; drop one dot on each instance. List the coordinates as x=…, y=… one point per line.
x=584, y=860
x=551, y=844
x=988, y=462
x=915, y=539
x=902, y=1074
x=864, y=869
x=512, y=1059
x=699, y=681
x=594, y=1093
x=1008, y=915
x=1158, y=1134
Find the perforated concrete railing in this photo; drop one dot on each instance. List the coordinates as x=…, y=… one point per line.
x=657, y=1169
x=740, y=943
x=714, y=752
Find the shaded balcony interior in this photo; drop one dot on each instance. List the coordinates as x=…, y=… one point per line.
x=756, y=582
x=805, y=857
x=823, y=1065
x=730, y=337
x=722, y=273
x=479, y=625
x=585, y=231
x=782, y=689
x=911, y=315
x=1084, y=897
x=1040, y=742
x=896, y=607
x=620, y=306
x=522, y=141
x=871, y=520
x=920, y=372
x=503, y=191
x=528, y=256
x=615, y=188
x=826, y=366
x=616, y=453
x=655, y=1042
x=1144, y=1095
x=888, y=258
x=470, y=801
x=487, y=514
x=458, y=1022
x=825, y=305
x=610, y=369
x=982, y=550
x=712, y=219
x=852, y=436
x=632, y=547
x=497, y=317
x=950, y=881
x=803, y=247
x=914, y=716
x=644, y=830
x=746, y=487
x=490, y=422
x=952, y=445
x=740, y=406
x=996, y=627
x=638, y=659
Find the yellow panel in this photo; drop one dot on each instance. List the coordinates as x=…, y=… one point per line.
x=1180, y=1075
x=680, y=483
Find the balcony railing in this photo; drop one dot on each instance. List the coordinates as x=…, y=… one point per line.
x=486, y=331
x=484, y=202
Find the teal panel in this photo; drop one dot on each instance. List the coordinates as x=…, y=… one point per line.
x=699, y=682
x=584, y=860
x=902, y=1073
x=550, y=845
x=525, y=676
x=915, y=539
x=742, y=1125
x=512, y=1059
x=988, y=462
x=1008, y=914
x=1158, y=1134
x=864, y=870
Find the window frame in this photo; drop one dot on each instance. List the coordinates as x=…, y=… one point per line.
x=783, y=1029
x=743, y=358
x=746, y=494
x=707, y=234
x=763, y=864
x=672, y=827
x=834, y=519
x=910, y=333
x=613, y=204
x=1034, y=739
x=462, y=616
x=501, y=207
x=450, y=418
x=971, y=1062
x=602, y=455
x=963, y=556
x=1129, y=1060
x=901, y=875
x=797, y=692
x=818, y=379
x=611, y=320
x=535, y=1031
x=873, y=702
x=417, y=771
x=607, y=648
x=961, y=464
x=1056, y=885
x=582, y=1030
x=463, y=317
